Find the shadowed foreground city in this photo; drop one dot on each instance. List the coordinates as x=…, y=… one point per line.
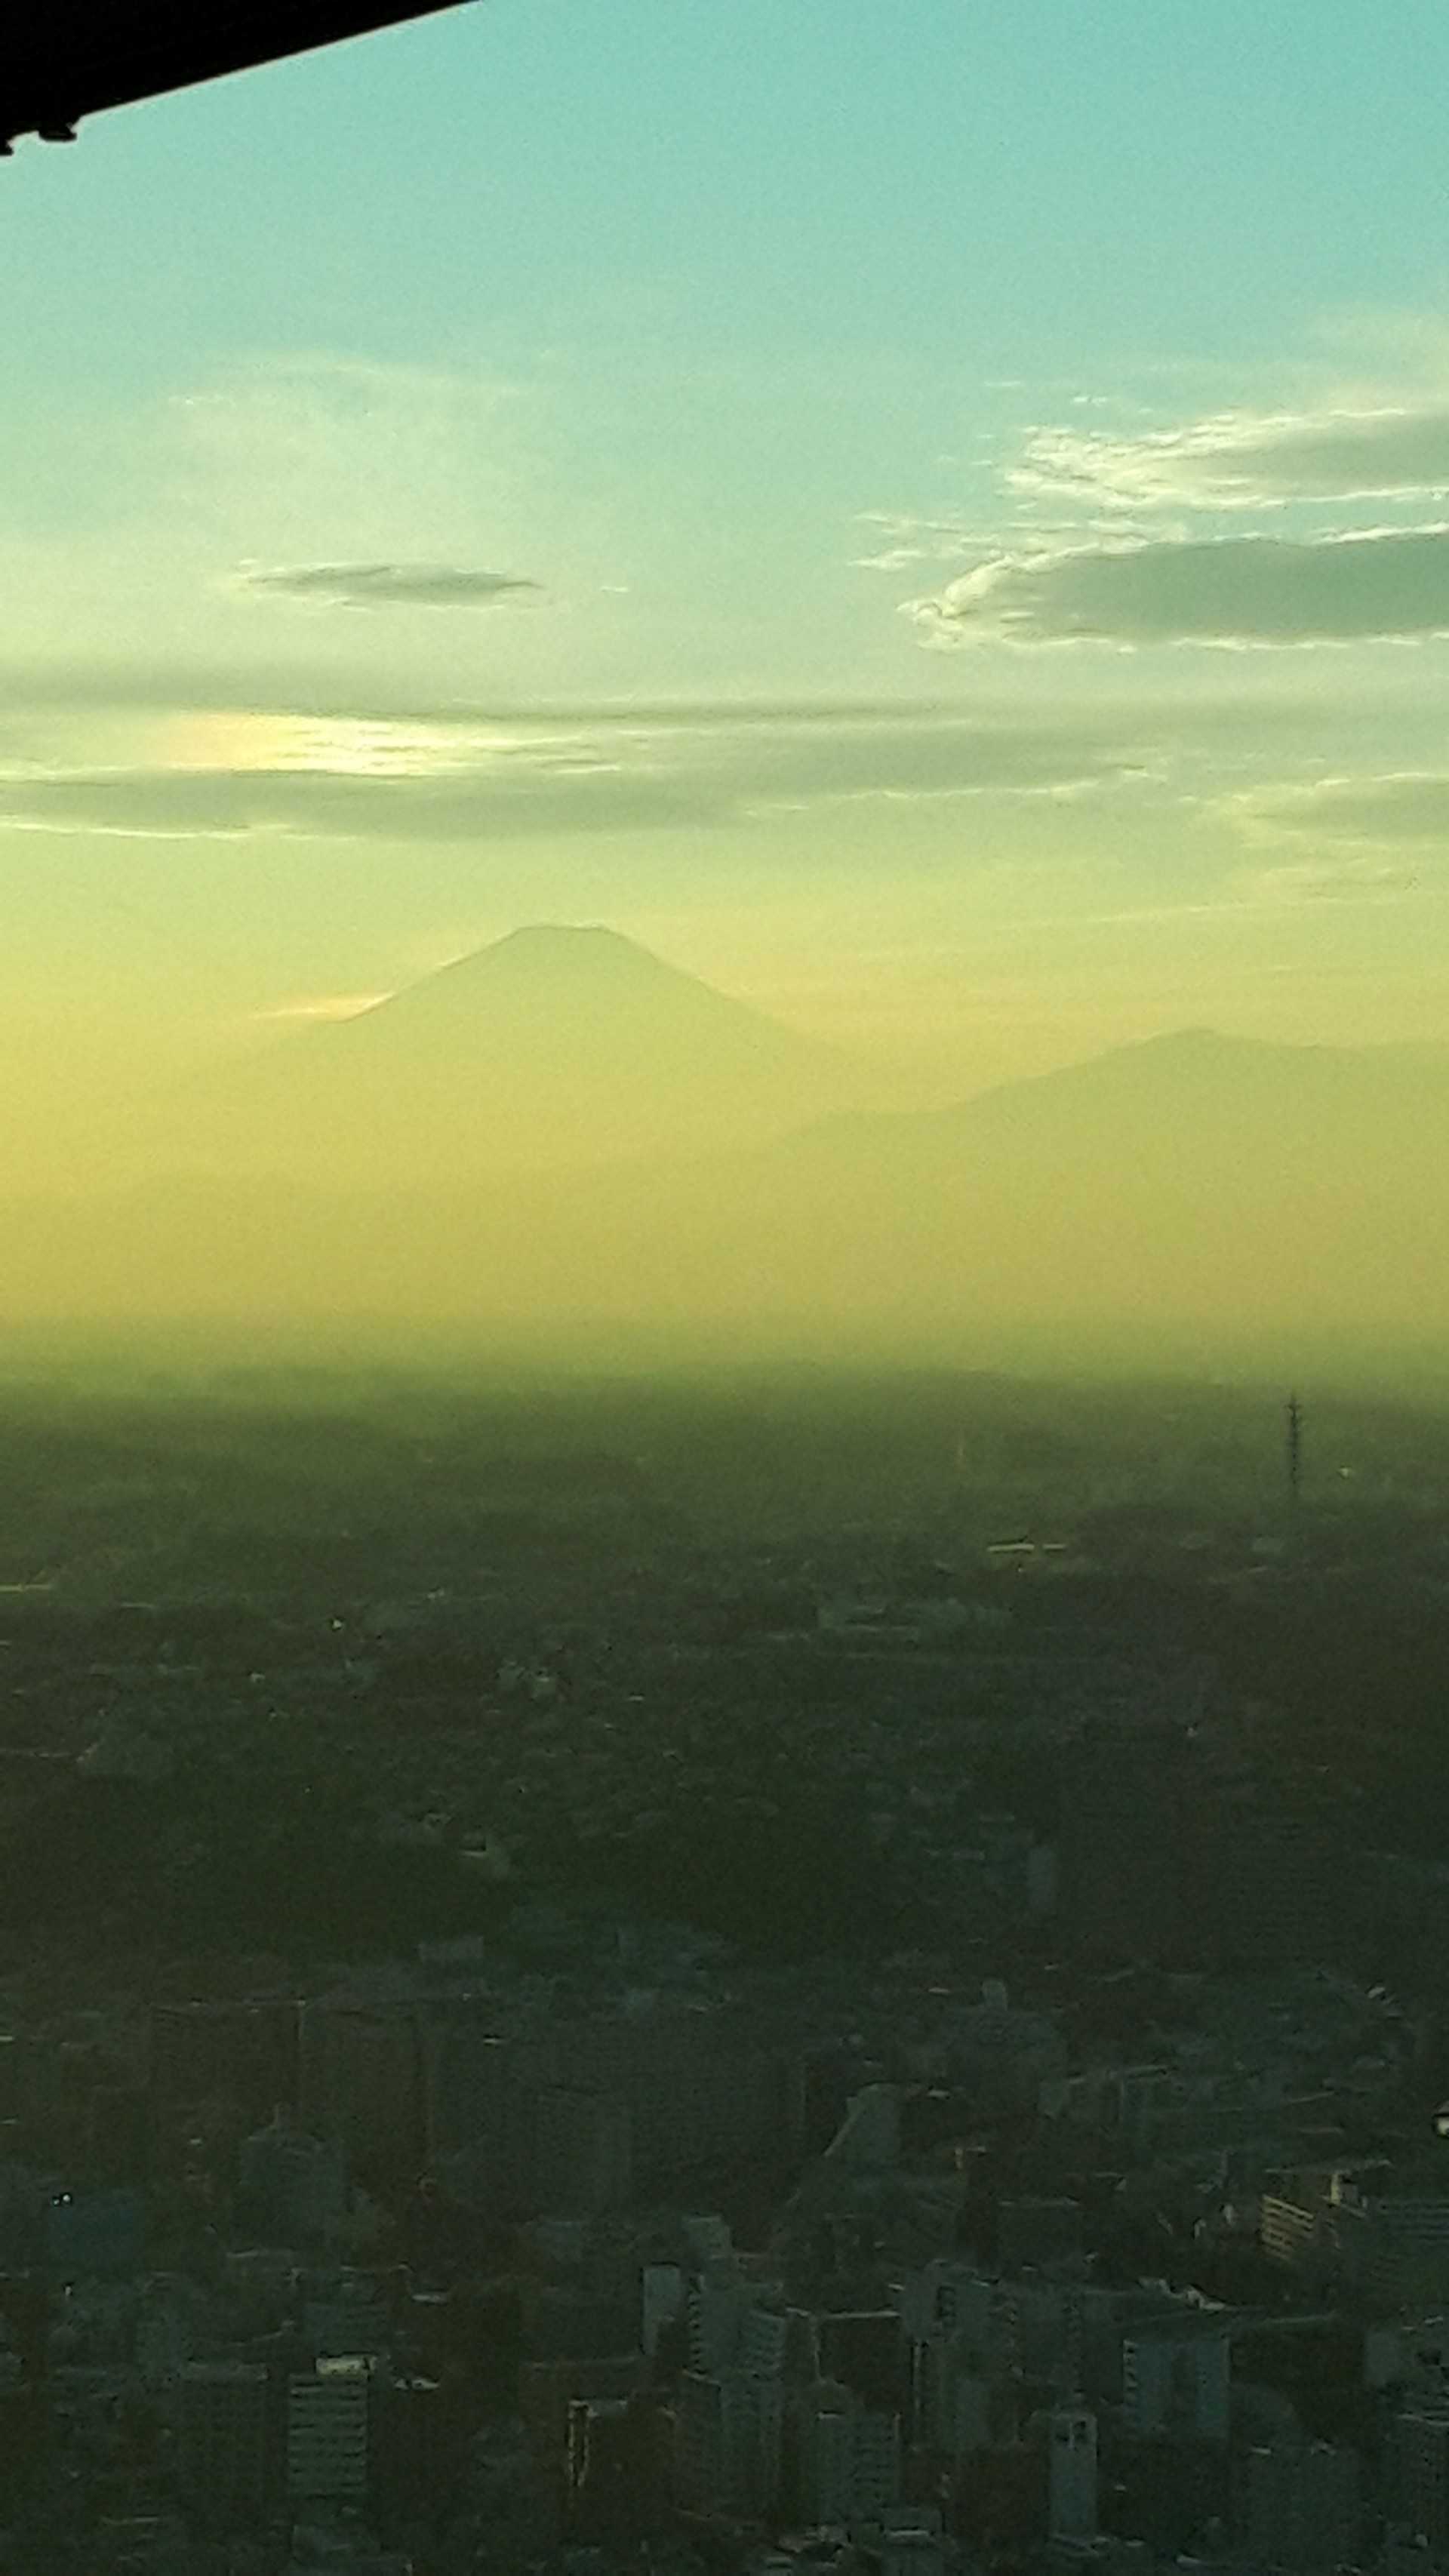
x=752, y=1972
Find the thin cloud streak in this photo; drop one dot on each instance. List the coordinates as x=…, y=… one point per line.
x=1246, y=460
x=625, y=776
x=385, y=585
x=1410, y=805
x=231, y=772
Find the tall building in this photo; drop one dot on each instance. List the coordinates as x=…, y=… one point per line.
x=825, y=2454
x=1176, y=2379
x=877, y=2461
x=715, y=2311
x=1397, y=2246
x=328, y=2411
x=954, y=2410
x=1422, y=2459
x=1042, y=2325
x=223, y=2439
x=728, y=2442
x=763, y=2342
x=661, y=2302
x=1072, y=2475
x=846, y=2455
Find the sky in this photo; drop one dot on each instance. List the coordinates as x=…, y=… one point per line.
x=934, y=516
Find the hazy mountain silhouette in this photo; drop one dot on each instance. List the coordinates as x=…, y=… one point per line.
x=1179, y=1105
x=554, y=1046
x=1191, y=1174
x=1247, y=1194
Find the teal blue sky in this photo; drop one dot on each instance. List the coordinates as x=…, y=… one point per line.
x=932, y=513
x=1050, y=187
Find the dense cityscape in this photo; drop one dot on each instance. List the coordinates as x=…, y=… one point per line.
x=753, y=1977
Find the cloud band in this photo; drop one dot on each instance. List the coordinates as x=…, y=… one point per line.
x=1378, y=585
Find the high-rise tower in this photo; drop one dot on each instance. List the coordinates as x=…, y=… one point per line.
x=1072, y=2476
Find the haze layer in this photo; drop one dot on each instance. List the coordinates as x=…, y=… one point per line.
x=564, y=1133
x=932, y=521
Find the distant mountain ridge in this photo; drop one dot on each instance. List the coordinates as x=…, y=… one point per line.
x=1167, y=1087
x=555, y=1046
x=1217, y=1188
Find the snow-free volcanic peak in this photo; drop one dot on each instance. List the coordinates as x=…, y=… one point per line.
x=559, y=1045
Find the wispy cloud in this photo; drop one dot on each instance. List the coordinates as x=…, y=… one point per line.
x=1355, y=881
x=83, y=687
x=1408, y=805
x=900, y=538
x=1380, y=584
x=385, y=585
x=579, y=773
x=1243, y=460
x=230, y=804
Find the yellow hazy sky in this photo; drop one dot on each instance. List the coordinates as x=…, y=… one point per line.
x=930, y=516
